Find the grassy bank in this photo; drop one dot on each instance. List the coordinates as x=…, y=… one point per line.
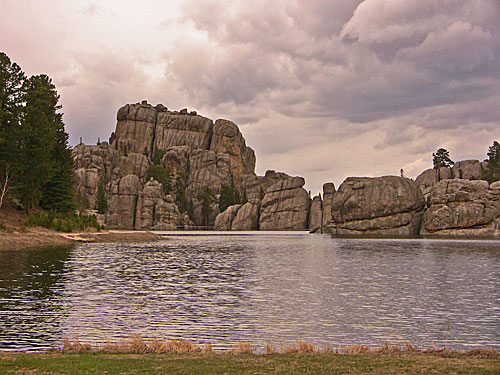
x=41, y=229
x=292, y=363
x=136, y=355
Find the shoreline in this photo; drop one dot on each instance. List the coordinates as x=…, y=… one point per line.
x=41, y=237
x=247, y=363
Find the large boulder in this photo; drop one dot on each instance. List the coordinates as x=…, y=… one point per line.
x=224, y=220
x=427, y=180
x=285, y=206
x=462, y=208
x=247, y=217
x=467, y=170
x=386, y=205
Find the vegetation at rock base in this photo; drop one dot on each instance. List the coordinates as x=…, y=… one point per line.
x=101, y=203
x=36, y=164
x=207, y=198
x=63, y=222
x=229, y=196
x=441, y=158
x=492, y=173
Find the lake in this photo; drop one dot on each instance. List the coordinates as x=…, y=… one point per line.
x=255, y=287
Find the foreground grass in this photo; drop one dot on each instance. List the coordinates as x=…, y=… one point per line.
x=211, y=363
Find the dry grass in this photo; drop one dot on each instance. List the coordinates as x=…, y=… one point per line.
x=242, y=348
x=137, y=345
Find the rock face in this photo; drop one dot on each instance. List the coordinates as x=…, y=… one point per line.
x=467, y=170
x=276, y=201
x=285, y=206
x=328, y=194
x=315, y=214
x=198, y=154
x=463, y=208
x=387, y=205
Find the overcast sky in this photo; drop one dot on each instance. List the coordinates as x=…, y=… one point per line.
x=324, y=89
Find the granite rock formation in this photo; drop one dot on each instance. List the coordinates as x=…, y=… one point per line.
x=459, y=207
x=197, y=153
x=276, y=201
x=387, y=205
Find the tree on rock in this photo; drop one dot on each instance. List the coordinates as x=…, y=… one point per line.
x=493, y=171
x=442, y=159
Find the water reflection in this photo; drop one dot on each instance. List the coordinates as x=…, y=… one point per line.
x=30, y=313
x=259, y=288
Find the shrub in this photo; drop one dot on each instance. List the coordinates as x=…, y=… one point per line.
x=63, y=223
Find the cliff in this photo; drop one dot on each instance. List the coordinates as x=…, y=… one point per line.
x=196, y=153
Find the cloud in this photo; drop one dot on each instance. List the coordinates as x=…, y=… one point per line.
x=319, y=88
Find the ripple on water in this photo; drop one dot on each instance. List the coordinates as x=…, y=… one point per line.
x=262, y=288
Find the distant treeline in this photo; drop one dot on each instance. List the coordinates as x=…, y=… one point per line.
x=36, y=165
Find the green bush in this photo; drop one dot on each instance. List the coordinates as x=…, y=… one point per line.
x=63, y=223
x=162, y=175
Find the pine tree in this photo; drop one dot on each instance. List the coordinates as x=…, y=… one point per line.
x=229, y=196
x=206, y=197
x=57, y=192
x=11, y=92
x=101, y=203
x=442, y=159
x=493, y=171
x=37, y=138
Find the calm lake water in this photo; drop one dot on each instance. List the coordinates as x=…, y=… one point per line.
x=262, y=288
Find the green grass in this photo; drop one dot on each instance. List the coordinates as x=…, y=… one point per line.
x=199, y=363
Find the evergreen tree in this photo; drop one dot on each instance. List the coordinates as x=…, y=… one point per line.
x=162, y=175
x=37, y=138
x=442, y=159
x=101, y=203
x=57, y=193
x=229, y=196
x=190, y=210
x=493, y=171
x=11, y=93
x=206, y=197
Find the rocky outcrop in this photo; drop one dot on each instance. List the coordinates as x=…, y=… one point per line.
x=285, y=206
x=387, y=205
x=122, y=202
x=155, y=210
x=461, y=207
x=224, y=220
x=328, y=194
x=198, y=154
x=430, y=177
x=467, y=170
x=247, y=217
x=227, y=139
x=239, y=217
x=315, y=214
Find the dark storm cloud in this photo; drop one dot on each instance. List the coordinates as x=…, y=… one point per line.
x=319, y=88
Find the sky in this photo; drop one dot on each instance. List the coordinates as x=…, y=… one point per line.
x=324, y=89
